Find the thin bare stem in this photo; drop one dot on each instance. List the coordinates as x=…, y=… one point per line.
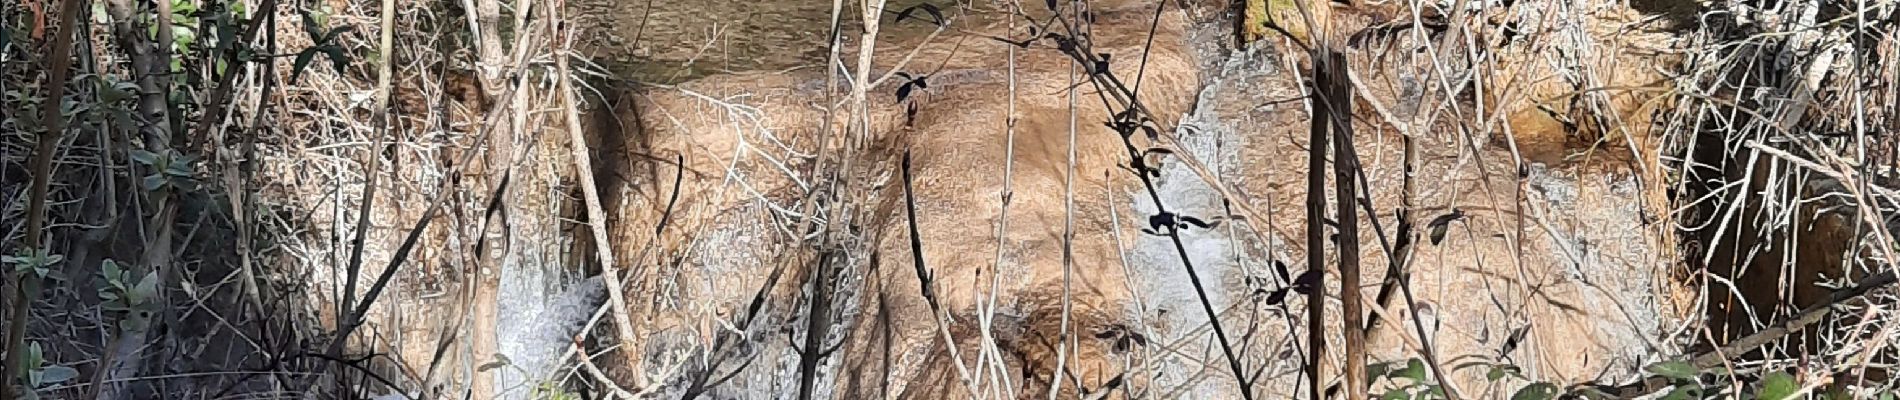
x=928, y=288
x=1331, y=82
x=1316, y=245
x=372, y=170
x=1068, y=245
x=584, y=169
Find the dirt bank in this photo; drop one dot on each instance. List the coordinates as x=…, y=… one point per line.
x=1574, y=266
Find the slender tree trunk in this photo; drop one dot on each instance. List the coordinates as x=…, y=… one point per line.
x=150, y=64
x=43, y=154
x=485, y=26
x=1316, y=245
x=1331, y=80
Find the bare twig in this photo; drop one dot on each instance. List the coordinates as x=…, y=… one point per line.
x=354, y=318
x=1134, y=114
x=990, y=354
x=584, y=169
x=817, y=322
x=587, y=364
x=929, y=290
x=1715, y=357
x=1068, y=240
x=214, y=110
x=372, y=170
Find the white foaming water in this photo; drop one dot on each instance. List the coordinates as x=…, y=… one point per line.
x=536, y=326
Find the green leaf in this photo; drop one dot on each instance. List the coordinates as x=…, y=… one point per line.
x=184, y=184
x=303, y=61
x=111, y=92
x=52, y=274
x=180, y=167
x=33, y=357
x=1536, y=391
x=1378, y=370
x=111, y=268
x=144, y=157
x=1500, y=371
x=56, y=374
x=145, y=290
x=33, y=260
x=312, y=26
x=1414, y=370
x=153, y=182
x=1776, y=386
x=70, y=107
x=1395, y=394
x=339, y=60
x=184, y=8
x=1677, y=370
x=1683, y=393
x=183, y=37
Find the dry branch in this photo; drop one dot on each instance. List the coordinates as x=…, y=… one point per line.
x=1316, y=244
x=371, y=171
x=584, y=169
x=1331, y=83
x=929, y=290
x=1716, y=357
x=1132, y=117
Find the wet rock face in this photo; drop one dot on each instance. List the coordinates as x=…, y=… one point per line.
x=1553, y=259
